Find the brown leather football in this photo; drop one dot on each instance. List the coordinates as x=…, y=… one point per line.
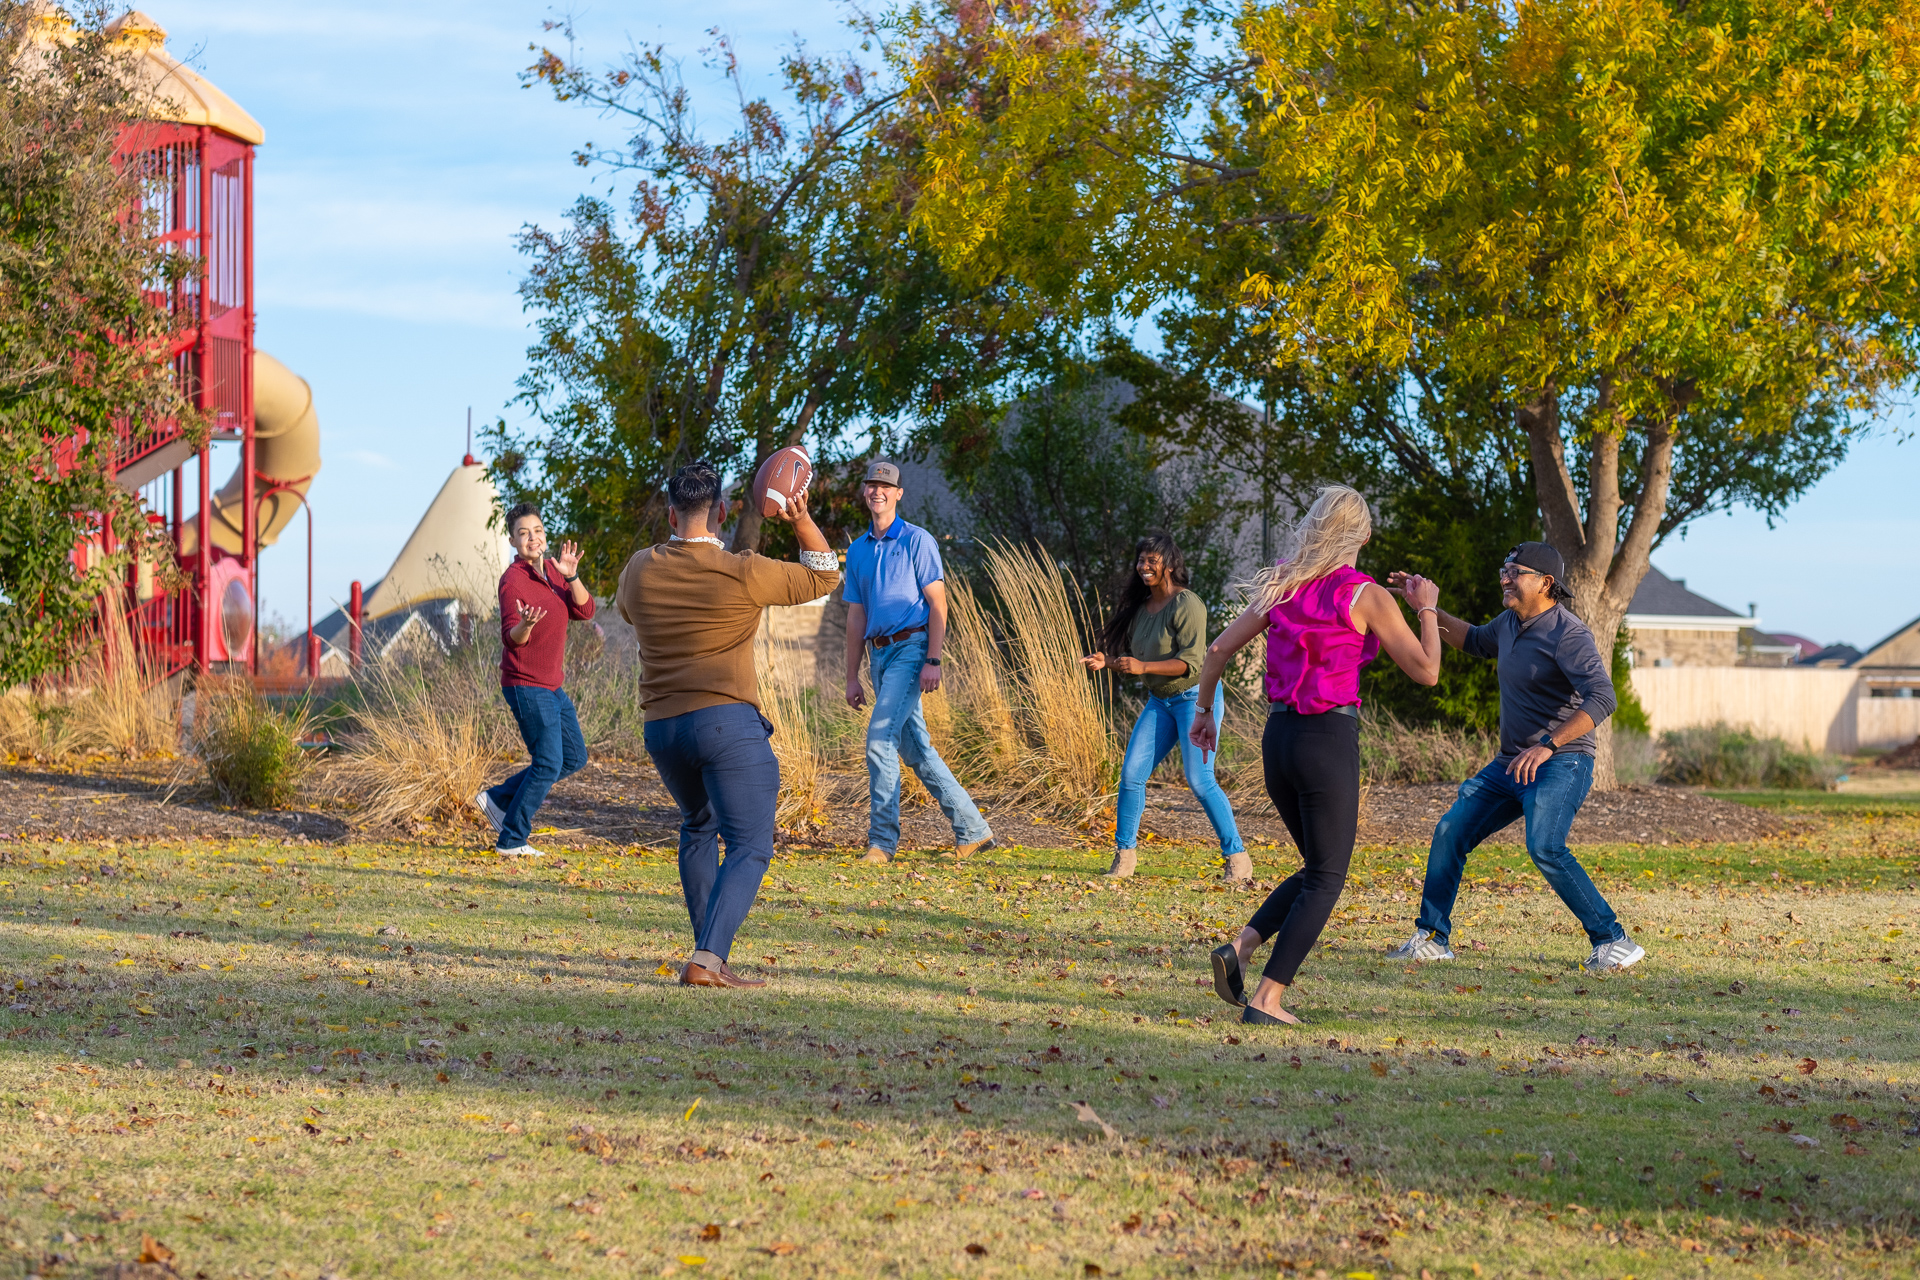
x=782, y=480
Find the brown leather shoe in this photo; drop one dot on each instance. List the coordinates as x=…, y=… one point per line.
x=876, y=854
x=978, y=846
x=698, y=975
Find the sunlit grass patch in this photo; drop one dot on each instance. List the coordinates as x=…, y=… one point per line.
x=389, y=1061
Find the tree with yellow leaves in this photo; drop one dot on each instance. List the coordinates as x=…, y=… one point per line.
x=1677, y=242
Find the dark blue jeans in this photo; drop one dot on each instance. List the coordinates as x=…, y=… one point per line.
x=718, y=767
x=551, y=731
x=1491, y=799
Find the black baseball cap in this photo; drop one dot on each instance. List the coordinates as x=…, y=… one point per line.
x=1539, y=557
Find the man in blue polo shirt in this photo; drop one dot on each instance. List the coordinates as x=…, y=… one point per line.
x=896, y=597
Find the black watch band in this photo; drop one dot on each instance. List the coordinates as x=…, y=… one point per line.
x=933, y=662
x=570, y=581
x=1550, y=745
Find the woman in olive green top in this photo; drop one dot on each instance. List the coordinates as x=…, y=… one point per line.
x=1159, y=632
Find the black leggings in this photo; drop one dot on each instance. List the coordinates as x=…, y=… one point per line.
x=1313, y=774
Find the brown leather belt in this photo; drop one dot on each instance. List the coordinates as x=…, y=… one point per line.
x=881, y=642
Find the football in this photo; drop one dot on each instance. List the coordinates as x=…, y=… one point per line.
x=782, y=480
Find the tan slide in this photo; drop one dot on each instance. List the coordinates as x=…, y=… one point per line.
x=286, y=434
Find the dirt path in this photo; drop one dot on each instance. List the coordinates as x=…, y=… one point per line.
x=622, y=802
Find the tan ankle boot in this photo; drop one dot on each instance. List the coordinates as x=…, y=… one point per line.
x=1123, y=864
x=1239, y=866
x=875, y=853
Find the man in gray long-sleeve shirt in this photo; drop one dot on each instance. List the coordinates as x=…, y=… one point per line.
x=1554, y=691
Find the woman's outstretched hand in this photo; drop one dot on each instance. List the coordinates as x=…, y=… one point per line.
x=1094, y=662
x=1419, y=592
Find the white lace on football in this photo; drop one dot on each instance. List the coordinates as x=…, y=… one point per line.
x=674, y=537
x=819, y=560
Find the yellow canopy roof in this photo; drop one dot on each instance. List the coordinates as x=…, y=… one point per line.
x=180, y=93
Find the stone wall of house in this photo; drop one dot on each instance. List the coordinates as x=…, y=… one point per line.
x=1661, y=648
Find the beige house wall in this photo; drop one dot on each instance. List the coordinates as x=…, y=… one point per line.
x=1821, y=710
x=1685, y=648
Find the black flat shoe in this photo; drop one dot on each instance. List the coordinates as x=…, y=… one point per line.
x=1261, y=1018
x=1228, y=982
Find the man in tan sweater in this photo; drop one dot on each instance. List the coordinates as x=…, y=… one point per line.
x=695, y=609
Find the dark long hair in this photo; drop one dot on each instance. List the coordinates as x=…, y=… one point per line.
x=1119, y=630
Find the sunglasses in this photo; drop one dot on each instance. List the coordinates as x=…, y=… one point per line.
x=1509, y=573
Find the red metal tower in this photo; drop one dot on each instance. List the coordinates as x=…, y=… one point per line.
x=196, y=171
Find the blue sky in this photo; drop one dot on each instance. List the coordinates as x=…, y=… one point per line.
x=402, y=155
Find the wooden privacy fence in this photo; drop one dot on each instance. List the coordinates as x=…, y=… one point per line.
x=1821, y=709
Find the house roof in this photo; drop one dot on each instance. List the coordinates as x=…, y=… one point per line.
x=1785, y=640
x=1838, y=655
x=1668, y=597
x=1886, y=640
x=1663, y=603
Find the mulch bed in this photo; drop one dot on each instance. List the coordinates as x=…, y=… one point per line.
x=621, y=802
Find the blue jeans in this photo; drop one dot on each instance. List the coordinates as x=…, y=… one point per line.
x=1491, y=799
x=1163, y=723
x=551, y=730
x=718, y=767
x=897, y=732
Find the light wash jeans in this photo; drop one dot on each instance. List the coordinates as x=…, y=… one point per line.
x=1491, y=799
x=897, y=732
x=1162, y=723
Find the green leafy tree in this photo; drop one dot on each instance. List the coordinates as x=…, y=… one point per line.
x=768, y=290
x=83, y=353
x=1672, y=249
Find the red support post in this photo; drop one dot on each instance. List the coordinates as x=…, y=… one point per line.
x=203, y=606
x=356, y=619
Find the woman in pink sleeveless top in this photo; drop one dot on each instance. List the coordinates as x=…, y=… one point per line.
x=1324, y=620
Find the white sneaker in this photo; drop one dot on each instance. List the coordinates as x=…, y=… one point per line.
x=1421, y=946
x=490, y=811
x=524, y=851
x=1622, y=953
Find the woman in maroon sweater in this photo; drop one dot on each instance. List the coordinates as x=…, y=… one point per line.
x=532, y=661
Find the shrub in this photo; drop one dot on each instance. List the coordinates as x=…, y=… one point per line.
x=1719, y=755
x=1025, y=713
x=789, y=702
x=1636, y=761
x=251, y=752
x=113, y=701
x=1393, y=752
x=422, y=737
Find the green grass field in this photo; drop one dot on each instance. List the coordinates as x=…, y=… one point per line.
x=391, y=1061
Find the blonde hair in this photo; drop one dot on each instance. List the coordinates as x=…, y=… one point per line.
x=1331, y=532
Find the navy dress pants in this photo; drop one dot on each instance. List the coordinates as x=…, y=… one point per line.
x=719, y=768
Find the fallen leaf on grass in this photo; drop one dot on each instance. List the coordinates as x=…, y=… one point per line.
x=962, y=1107
x=1808, y=1066
x=780, y=1249
x=1855, y=1149
x=1378, y=1068
x=710, y=1233
x=1803, y=1140
x=1087, y=1115
x=690, y=1110
x=977, y=1250
x=1844, y=1122
x=152, y=1251
x=692, y=1260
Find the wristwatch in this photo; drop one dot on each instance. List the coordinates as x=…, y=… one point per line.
x=933, y=662
x=1548, y=742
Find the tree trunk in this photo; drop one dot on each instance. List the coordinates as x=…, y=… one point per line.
x=1604, y=568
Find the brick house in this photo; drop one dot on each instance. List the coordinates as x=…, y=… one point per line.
x=1673, y=627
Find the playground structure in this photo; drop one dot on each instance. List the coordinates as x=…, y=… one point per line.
x=195, y=159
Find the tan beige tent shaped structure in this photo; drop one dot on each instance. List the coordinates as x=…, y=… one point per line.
x=443, y=582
